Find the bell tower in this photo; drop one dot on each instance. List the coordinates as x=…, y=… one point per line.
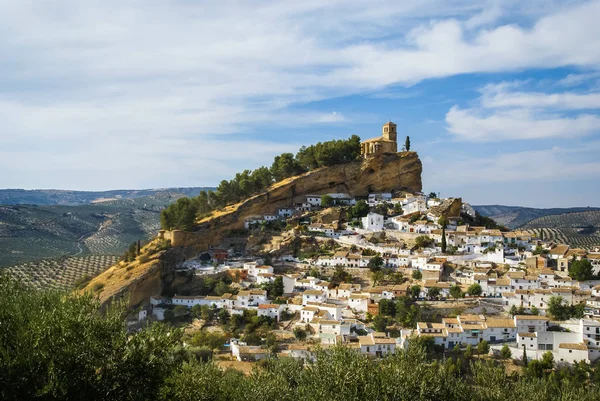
x=389, y=132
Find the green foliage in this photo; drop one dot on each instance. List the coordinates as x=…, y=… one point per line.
x=285, y=166
x=340, y=275
x=181, y=215
x=417, y=275
x=433, y=293
x=361, y=209
x=132, y=252
x=329, y=153
x=275, y=288
x=403, y=310
x=484, y=221
x=213, y=341
x=375, y=264
x=380, y=323
x=483, y=348
x=327, y=201
x=444, y=245
x=414, y=291
x=423, y=241
x=407, y=143
x=468, y=351
x=505, y=352
x=300, y=333
x=581, y=270
x=398, y=209
x=475, y=290
x=561, y=310
x=57, y=346
x=456, y=292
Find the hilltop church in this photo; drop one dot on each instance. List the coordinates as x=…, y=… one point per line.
x=387, y=143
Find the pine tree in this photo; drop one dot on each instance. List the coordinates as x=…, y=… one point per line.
x=407, y=143
x=524, y=356
x=444, y=245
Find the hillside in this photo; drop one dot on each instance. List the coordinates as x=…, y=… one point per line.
x=581, y=229
x=44, y=197
x=517, y=216
x=376, y=174
x=32, y=232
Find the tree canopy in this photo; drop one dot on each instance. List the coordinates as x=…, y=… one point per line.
x=581, y=270
x=181, y=214
x=58, y=346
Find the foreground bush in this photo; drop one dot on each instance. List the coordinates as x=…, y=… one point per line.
x=57, y=346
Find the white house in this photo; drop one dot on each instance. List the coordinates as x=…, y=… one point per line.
x=270, y=310
x=377, y=344
x=358, y=302
x=314, y=200
x=314, y=296
x=373, y=222
x=285, y=212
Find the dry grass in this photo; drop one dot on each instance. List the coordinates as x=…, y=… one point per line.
x=122, y=274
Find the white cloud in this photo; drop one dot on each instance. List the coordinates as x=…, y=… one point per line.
x=506, y=112
x=517, y=125
x=497, y=96
x=127, y=72
x=528, y=166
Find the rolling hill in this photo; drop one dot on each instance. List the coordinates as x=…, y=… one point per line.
x=78, y=223
x=517, y=216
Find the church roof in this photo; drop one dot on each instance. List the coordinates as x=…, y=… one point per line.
x=380, y=139
x=390, y=123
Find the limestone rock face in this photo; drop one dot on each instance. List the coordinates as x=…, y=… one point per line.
x=383, y=173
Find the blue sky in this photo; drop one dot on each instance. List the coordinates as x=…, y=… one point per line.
x=500, y=98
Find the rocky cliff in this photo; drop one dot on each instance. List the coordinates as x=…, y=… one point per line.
x=386, y=173
x=137, y=281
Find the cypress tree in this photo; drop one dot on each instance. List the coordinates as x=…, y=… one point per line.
x=444, y=240
x=407, y=143
x=139, y=247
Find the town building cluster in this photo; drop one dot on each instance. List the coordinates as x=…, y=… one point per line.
x=436, y=251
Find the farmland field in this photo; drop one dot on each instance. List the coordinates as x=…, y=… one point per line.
x=62, y=273
x=580, y=229
x=55, y=245
x=567, y=236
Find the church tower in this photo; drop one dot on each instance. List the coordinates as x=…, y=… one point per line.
x=389, y=132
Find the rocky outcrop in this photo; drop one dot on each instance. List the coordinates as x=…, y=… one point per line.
x=384, y=173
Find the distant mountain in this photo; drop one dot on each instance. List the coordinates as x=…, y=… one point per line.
x=43, y=197
x=517, y=216
x=48, y=224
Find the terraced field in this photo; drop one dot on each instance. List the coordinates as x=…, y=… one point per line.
x=63, y=273
x=568, y=236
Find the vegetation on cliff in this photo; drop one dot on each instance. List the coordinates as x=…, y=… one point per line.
x=181, y=215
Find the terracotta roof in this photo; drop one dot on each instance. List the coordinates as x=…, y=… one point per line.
x=531, y=317
x=268, y=306
x=577, y=346
x=366, y=340
x=502, y=281
x=501, y=323
x=559, y=250
x=533, y=335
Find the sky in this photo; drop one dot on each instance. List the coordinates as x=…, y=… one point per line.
x=500, y=99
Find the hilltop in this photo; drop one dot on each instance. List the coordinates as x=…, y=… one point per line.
x=380, y=173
